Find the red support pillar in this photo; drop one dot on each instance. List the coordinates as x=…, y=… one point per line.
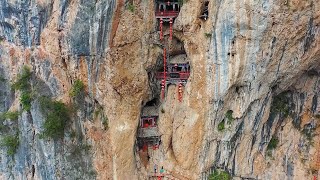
x=161, y=28
x=171, y=22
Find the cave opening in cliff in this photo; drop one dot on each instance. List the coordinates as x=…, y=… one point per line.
x=205, y=11
x=153, y=102
x=177, y=47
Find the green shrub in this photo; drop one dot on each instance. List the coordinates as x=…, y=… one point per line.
x=273, y=143
x=131, y=7
x=269, y=153
x=2, y=127
x=86, y=147
x=92, y=173
x=105, y=122
x=220, y=175
x=25, y=100
x=2, y=79
x=97, y=112
x=12, y=115
x=57, y=116
x=22, y=82
x=280, y=104
x=229, y=116
x=309, y=134
x=100, y=114
x=11, y=142
x=77, y=88
x=208, y=35
x=221, y=126
x=73, y=134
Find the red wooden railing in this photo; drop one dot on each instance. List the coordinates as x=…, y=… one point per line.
x=182, y=75
x=159, y=75
x=147, y=126
x=167, y=13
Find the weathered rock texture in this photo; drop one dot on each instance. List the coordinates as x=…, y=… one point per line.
x=245, y=57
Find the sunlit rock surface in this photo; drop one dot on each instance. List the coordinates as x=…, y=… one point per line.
x=245, y=57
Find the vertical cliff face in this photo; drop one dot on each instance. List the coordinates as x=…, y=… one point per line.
x=254, y=80
x=60, y=41
x=258, y=58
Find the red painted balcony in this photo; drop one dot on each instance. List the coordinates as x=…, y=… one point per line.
x=166, y=14
x=184, y=75
x=159, y=75
x=173, y=75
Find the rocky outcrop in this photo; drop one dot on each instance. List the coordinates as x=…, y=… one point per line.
x=255, y=72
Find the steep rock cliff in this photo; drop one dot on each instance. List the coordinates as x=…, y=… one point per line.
x=258, y=60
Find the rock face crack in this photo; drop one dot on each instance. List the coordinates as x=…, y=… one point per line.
x=281, y=57
x=309, y=37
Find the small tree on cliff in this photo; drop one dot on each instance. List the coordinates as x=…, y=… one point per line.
x=220, y=175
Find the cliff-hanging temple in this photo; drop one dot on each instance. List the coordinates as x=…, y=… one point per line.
x=173, y=73
x=176, y=70
x=148, y=133
x=166, y=11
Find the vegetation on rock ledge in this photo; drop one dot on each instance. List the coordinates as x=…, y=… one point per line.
x=11, y=142
x=57, y=115
x=77, y=88
x=23, y=85
x=208, y=35
x=221, y=126
x=281, y=104
x=229, y=116
x=131, y=7
x=273, y=143
x=220, y=175
x=12, y=115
